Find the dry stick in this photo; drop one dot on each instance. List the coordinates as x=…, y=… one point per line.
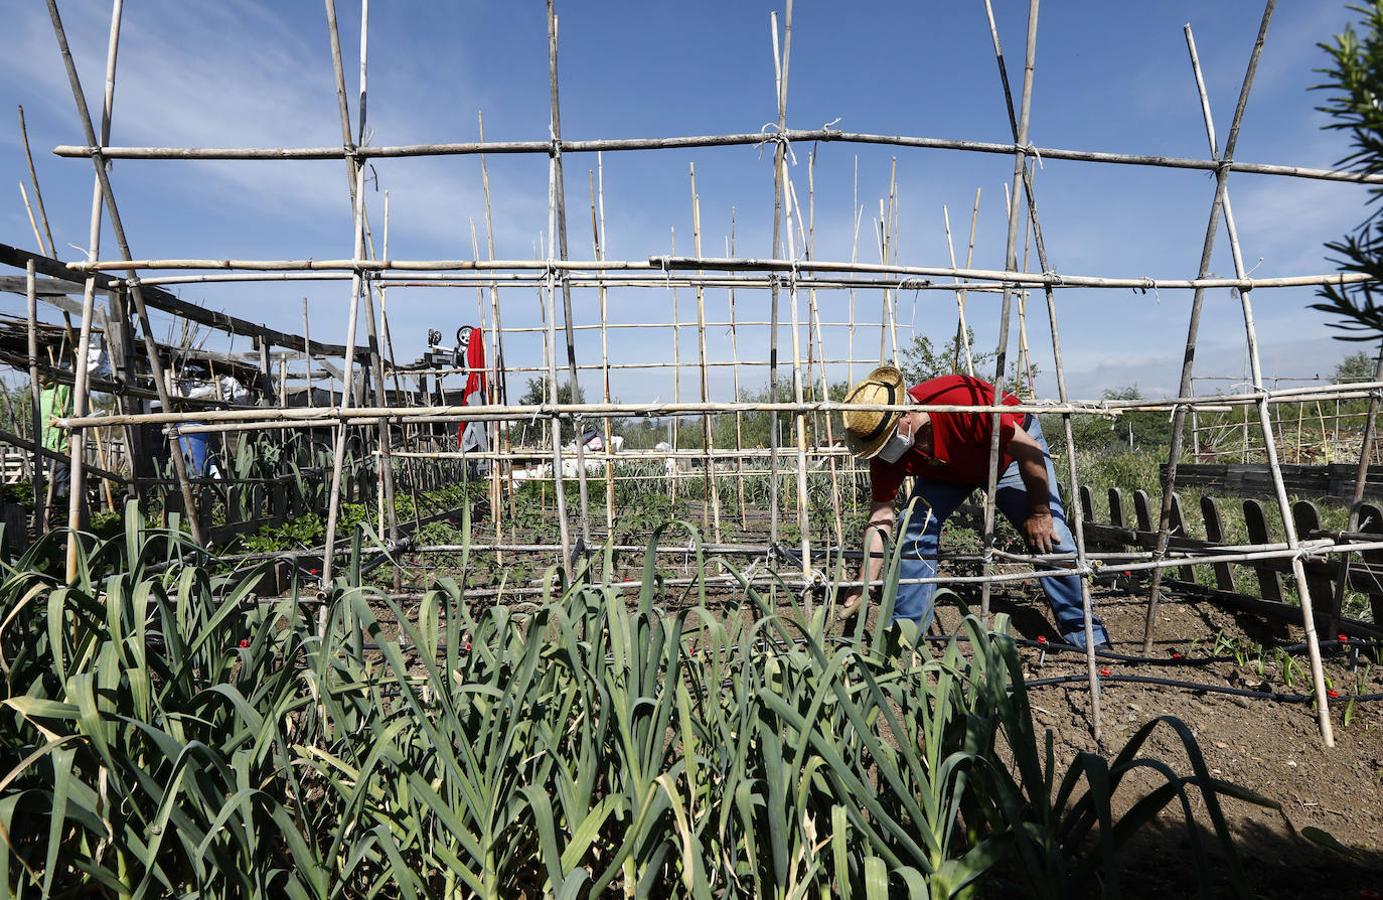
x=560, y=214
x=1308, y=616
x=780, y=78
x=35, y=396
x=108, y=194
x=501, y=370
x=1010, y=262
x=815, y=325
x=598, y=248
x=1024, y=352
x=388, y=514
x=358, y=239
x=676, y=366
x=492, y=393
x=33, y=224
x=858, y=212
x=38, y=193
x=735, y=374
x=800, y=420
x=962, y=330
x=1193, y=327
x=891, y=253
x=307, y=356
x=554, y=173
x=1073, y=490
x=711, y=496
x=77, y=443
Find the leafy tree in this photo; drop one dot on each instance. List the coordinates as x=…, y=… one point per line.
x=1355, y=82
x=1355, y=367
x=921, y=361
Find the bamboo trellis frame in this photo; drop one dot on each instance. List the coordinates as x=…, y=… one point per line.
x=791, y=268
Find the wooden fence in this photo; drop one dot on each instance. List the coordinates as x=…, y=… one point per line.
x=1130, y=522
x=1334, y=481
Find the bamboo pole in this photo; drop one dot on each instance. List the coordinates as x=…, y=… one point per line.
x=814, y=335
x=751, y=138
x=501, y=368
x=1010, y=262
x=1216, y=208
x=800, y=420
x=598, y=250
x=675, y=426
x=35, y=398
x=710, y=511
x=780, y=148
x=38, y=192
x=735, y=375
x=1073, y=505
x=358, y=239
x=909, y=275
x=559, y=213
x=1313, y=650
x=76, y=443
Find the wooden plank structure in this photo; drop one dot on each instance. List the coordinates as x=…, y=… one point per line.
x=1334, y=481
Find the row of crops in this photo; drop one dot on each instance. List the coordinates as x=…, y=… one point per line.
x=165, y=732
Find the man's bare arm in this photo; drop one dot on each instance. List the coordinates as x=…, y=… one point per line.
x=1038, y=528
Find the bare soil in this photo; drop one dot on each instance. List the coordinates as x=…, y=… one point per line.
x=1272, y=748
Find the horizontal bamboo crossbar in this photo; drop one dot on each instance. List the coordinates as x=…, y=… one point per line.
x=793, y=268
x=821, y=135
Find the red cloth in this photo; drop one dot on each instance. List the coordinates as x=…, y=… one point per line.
x=475, y=361
x=960, y=441
x=475, y=376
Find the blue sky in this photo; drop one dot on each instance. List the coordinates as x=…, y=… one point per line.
x=1110, y=76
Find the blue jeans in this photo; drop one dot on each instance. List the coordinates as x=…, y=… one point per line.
x=922, y=535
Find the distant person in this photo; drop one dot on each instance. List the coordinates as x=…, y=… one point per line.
x=55, y=402
x=948, y=455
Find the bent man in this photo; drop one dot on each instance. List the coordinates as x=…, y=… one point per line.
x=948, y=455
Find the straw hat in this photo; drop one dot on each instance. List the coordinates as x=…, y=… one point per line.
x=867, y=430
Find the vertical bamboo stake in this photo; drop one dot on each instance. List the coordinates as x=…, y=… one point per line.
x=815, y=325
x=38, y=193
x=77, y=441
x=1010, y=262
x=712, y=495
x=501, y=375
x=1193, y=327
x=735, y=375
x=780, y=75
x=676, y=375
x=35, y=397
x=598, y=248
x=1073, y=505
x=560, y=215
x=553, y=214
x=1313, y=650
x=858, y=212
x=800, y=417
x=307, y=356
x=358, y=252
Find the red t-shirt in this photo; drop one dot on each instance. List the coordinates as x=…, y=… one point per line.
x=960, y=441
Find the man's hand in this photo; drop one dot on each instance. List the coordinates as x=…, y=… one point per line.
x=850, y=599
x=1040, y=531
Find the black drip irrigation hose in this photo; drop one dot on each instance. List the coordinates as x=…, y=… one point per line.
x=1196, y=687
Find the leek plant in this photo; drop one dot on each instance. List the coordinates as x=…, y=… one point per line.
x=167, y=733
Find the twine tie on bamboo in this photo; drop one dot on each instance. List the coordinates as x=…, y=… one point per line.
x=1031, y=150
x=772, y=134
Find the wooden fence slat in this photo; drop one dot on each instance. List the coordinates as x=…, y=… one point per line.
x=1215, y=533
x=1319, y=582
x=1141, y=510
x=1116, y=507
x=1177, y=522
x=1256, y=521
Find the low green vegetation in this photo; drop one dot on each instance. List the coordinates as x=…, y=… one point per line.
x=170, y=734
